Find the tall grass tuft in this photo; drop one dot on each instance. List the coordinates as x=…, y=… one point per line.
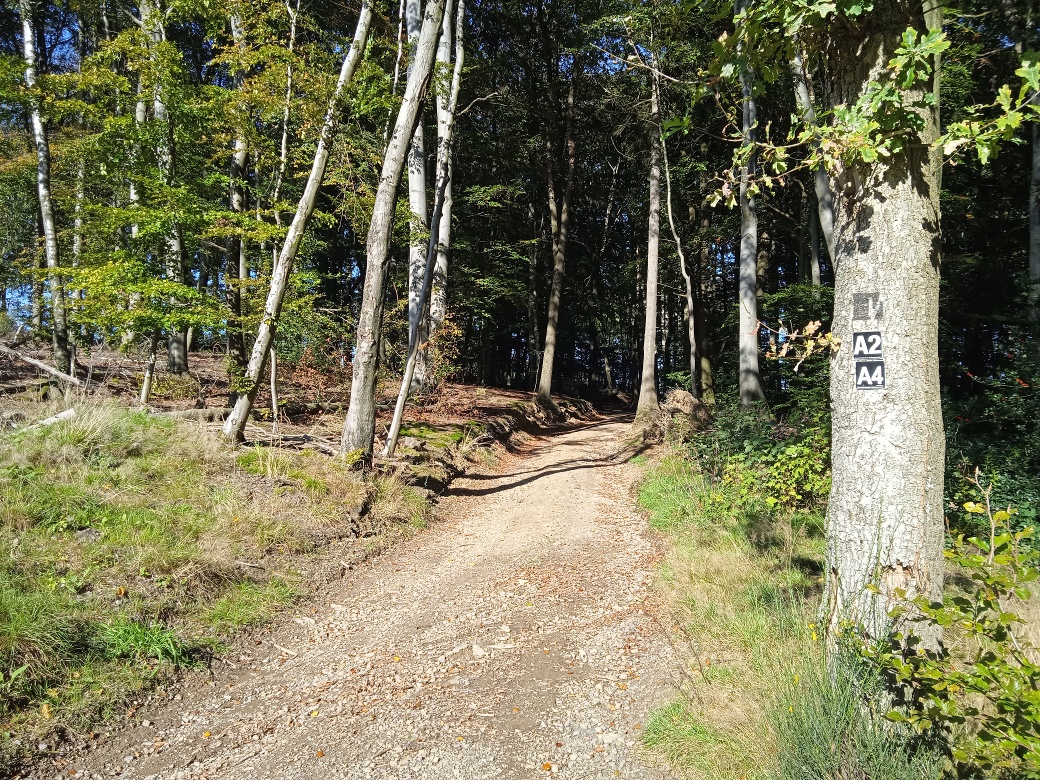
x=827, y=722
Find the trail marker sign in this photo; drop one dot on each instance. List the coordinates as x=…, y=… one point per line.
x=870, y=374
x=867, y=345
x=868, y=362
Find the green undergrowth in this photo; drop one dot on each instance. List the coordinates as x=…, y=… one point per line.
x=763, y=697
x=132, y=546
x=741, y=579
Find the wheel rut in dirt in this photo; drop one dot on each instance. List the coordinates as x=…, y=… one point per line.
x=514, y=639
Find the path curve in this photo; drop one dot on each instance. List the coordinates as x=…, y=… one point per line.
x=514, y=639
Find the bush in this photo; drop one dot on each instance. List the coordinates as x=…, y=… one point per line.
x=786, y=464
x=981, y=688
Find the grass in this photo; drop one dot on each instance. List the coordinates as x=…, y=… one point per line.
x=740, y=581
x=130, y=544
x=760, y=699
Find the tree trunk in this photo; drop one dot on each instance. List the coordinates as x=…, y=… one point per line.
x=750, y=380
x=416, y=343
x=149, y=368
x=419, y=224
x=704, y=279
x=236, y=421
x=359, y=425
x=690, y=301
x=885, y=517
x=446, y=104
x=235, y=253
x=649, y=406
x=59, y=326
x=165, y=152
x=559, y=214
x=1034, y=226
x=534, y=348
x=821, y=181
x=814, y=247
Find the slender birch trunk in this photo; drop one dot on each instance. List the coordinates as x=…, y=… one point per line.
x=59, y=325
x=559, y=215
x=749, y=379
x=1034, y=227
x=418, y=226
x=690, y=302
x=649, y=406
x=236, y=259
x=236, y=421
x=359, y=425
x=705, y=281
x=821, y=181
x=446, y=106
x=433, y=250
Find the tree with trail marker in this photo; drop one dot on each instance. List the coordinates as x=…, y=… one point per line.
x=885, y=520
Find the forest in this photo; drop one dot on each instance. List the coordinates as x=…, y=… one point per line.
x=793, y=244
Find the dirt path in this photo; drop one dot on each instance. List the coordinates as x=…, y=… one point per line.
x=512, y=640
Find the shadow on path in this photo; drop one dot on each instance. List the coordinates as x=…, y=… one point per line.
x=533, y=475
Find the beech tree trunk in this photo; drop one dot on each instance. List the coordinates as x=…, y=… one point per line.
x=236, y=421
x=165, y=152
x=59, y=325
x=1034, y=226
x=419, y=224
x=690, y=302
x=749, y=380
x=814, y=247
x=821, y=181
x=446, y=106
x=236, y=262
x=416, y=343
x=885, y=517
x=359, y=425
x=648, y=405
x=559, y=215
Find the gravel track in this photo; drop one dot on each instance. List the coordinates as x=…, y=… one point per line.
x=513, y=639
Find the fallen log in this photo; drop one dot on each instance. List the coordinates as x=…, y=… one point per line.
x=40, y=365
x=18, y=387
x=201, y=415
x=68, y=414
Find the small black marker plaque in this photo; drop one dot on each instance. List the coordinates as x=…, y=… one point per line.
x=867, y=345
x=870, y=374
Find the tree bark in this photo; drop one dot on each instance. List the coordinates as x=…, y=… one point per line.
x=59, y=325
x=814, y=247
x=690, y=302
x=165, y=152
x=416, y=341
x=236, y=421
x=559, y=215
x=648, y=406
x=885, y=517
x=149, y=368
x=749, y=380
x=821, y=181
x=1034, y=226
x=417, y=203
x=534, y=347
x=359, y=425
x=446, y=106
x=235, y=255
